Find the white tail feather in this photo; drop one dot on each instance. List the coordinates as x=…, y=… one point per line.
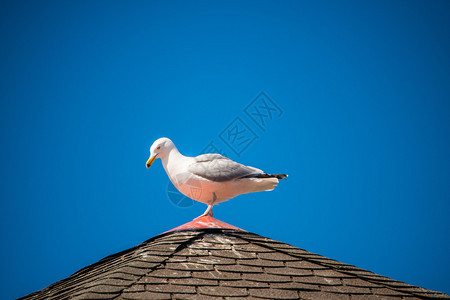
x=263, y=184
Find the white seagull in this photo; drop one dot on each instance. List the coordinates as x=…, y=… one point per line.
x=209, y=178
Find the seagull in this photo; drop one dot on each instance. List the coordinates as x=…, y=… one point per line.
x=209, y=178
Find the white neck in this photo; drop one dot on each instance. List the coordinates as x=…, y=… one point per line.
x=171, y=159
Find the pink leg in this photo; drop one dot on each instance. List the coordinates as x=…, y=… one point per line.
x=208, y=211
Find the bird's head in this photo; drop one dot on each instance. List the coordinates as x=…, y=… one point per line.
x=159, y=149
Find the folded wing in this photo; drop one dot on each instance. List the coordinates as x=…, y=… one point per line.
x=216, y=167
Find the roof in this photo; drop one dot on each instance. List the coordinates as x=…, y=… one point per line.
x=216, y=261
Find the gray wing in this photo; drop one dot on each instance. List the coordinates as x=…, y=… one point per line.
x=216, y=167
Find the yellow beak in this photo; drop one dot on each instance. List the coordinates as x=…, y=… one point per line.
x=151, y=160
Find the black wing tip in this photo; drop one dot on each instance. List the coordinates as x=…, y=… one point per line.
x=264, y=175
x=280, y=176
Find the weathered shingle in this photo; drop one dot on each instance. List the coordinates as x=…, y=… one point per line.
x=223, y=263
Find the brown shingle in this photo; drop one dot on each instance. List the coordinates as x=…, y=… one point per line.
x=135, y=288
x=388, y=292
x=217, y=275
x=104, y=289
x=122, y=276
x=287, y=271
x=253, y=248
x=146, y=256
x=92, y=296
x=194, y=281
x=212, y=260
x=325, y=296
x=357, y=282
x=294, y=286
x=114, y=282
x=163, y=254
x=277, y=256
x=186, y=252
x=152, y=280
x=189, y=266
x=274, y=294
x=239, y=268
x=166, y=273
x=342, y=289
x=316, y=280
x=195, y=297
x=234, y=254
x=172, y=288
x=261, y=263
x=222, y=291
x=217, y=237
x=245, y=283
x=266, y=277
x=331, y=274
x=133, y=270
x=373, y=297
x=142, y=264
x=210, y=246
x=145, y=295
x=303, y=264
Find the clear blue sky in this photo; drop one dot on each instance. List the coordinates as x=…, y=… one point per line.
x=364, y=96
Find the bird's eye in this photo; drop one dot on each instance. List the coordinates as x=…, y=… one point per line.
x=159, y=147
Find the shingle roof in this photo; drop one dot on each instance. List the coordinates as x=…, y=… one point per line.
x=224, y=263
